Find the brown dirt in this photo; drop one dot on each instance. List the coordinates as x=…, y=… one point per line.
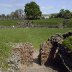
x=36, y=67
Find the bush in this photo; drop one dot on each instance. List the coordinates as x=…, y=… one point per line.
x=53, y=21
x=68, y=42
x=69, y=23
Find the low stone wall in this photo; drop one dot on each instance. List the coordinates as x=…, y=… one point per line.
x=31, y=25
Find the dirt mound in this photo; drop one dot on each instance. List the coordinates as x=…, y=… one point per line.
x=58, y=55
x=26, y=53
x=21, y=55
x=45, y=49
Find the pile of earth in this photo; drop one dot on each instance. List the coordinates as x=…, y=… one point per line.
x=54, y=53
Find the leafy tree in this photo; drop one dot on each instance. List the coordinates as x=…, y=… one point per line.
x=67, y=14
x=3, y=16
x=7, y=16
x=12, y=15
x=32, y=11
x=18, y=14
x=64, y=14
x=61, y=14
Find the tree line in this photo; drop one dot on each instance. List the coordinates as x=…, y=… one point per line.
x=66, y=14
x=18, y=14
x=32, y=11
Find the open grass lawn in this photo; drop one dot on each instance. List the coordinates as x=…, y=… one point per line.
x=34, y=35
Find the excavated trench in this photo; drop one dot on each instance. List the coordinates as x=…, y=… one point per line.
x=59, y=57
x=52, y=56
x=26, y=65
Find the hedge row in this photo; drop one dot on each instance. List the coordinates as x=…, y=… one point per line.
x=53, y=21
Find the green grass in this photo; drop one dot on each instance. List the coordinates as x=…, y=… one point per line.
x=53, y=21
x=5, y=51
x=34, y=35
x=9, y=22
x=43, y=22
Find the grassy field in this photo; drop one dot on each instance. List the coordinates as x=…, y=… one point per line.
x=9, y=22
x=34, y=35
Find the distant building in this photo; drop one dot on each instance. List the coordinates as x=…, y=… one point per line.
x=46, y=16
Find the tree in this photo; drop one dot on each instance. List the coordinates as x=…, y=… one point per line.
x=18, y=14
x=7, y=16
x=64, y=14
x=32, y=11
x=61, y=14
x=3, y=16
x=67, y=14
x=12, y=15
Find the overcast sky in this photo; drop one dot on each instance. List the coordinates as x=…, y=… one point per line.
x=46, y=6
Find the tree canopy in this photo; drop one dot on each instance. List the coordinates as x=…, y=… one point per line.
x=63, y=14
x=32, y=11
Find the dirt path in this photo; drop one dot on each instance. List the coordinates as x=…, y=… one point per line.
x=36, y=67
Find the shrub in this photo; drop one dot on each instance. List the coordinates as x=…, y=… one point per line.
x=53, y=21
x=68, y=42
x=69, y=23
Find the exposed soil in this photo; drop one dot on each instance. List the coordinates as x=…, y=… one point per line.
x=36, y=67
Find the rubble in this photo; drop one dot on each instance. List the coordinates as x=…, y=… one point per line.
x=24, y=24
x=58, y=38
